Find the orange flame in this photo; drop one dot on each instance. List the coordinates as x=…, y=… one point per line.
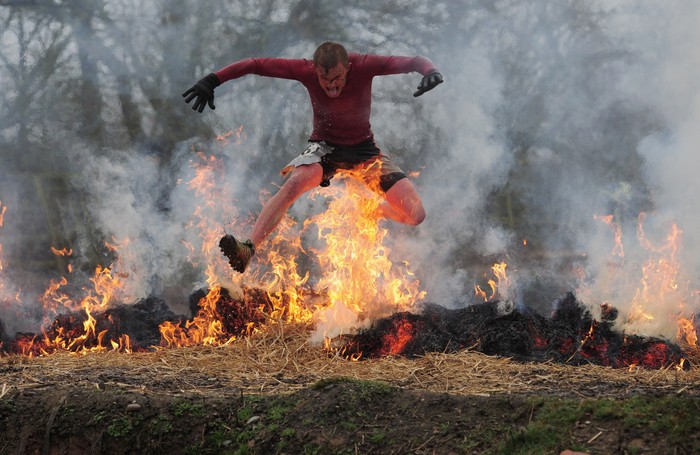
x=394, y=342
x=499, y=286
x=205, y=328
x=355, y=270
x=659, y=286
x=53, y=300
x=67, y=337
x=62, y=252
x=224, y=138
x=659, y=299
x=618, y=249
x=687, y=331
x=65, y=252
x=359, y=278
x=285, y=283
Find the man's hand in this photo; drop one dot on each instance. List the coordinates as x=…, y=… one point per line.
x=203, y=90
x=429, y=82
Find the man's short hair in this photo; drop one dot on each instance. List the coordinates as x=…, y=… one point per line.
x=329, y=54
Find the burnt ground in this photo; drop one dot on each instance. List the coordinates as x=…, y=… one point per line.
x=275, y=393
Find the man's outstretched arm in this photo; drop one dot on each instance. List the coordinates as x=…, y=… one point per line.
x=384, y=65
x=203, y=91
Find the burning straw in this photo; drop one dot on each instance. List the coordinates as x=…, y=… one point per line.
x=362, y=304
x=281, y=360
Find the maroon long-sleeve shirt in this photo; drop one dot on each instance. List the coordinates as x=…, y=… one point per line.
x=343, y=120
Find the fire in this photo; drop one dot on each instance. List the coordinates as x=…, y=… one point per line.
x=662, y=286
x=499, y=286
x=282, y=281
x=357, y=281
x=334, y=270
x=70, y=325
x=396, y=340
x=106, y=284
x=660, y=299
x=206, y=327
x=359, y=278
x=285, y=282
x=77, y=331
x=239, y=135
x=54, y=300
x=62, y=252
x=609, y=220
x=687, y=330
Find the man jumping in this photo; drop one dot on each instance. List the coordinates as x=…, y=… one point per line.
x=340, y=89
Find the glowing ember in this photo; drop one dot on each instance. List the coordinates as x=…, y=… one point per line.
x=395, y=341
x=569, y=336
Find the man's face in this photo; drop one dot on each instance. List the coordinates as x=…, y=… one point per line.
x=333, y=80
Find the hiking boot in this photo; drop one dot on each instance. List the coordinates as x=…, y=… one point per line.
x=238, y=253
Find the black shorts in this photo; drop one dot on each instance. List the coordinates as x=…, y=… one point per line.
x=379, y=171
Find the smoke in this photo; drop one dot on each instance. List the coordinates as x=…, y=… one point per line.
x=671, y=153
x=165, y=219
x=552, y=115
x=657, y=278
x=127, y=197
x=461, y=170
x=670, y=158
x=568, y=112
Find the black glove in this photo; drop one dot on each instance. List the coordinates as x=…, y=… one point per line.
x=203, y=90
x=429, y=82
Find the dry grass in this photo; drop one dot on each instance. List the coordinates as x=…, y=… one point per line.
x=281, y=360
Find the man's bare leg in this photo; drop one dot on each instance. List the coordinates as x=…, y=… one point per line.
x=403, y=204
x=302, y=179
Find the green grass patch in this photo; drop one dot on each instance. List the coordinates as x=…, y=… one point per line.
x=119, y=427
x=554, y=419
x=186, y=408
x=161, y=425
